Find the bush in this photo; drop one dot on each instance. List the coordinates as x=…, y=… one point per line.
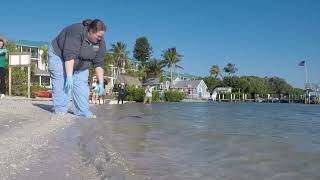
x=137, y=94
x=155, y=96
x=174, y=96
x=19, y=82
x=134, y=94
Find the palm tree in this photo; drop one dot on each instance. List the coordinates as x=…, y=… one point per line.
x=44, y=54
x=154, y=68
x=142, y=72
x=215, y=71
x=170, y=59
x=120, y=55
x=230, y=69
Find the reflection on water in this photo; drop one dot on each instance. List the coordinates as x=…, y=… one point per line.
x=207, y=141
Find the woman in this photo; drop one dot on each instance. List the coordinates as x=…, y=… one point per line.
x=121, y=93
x=71, y=53
x=3, y=72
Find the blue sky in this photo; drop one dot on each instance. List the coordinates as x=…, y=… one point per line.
x=262, y=37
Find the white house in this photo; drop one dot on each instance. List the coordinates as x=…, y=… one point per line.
x=194, y=89
x=40, y=73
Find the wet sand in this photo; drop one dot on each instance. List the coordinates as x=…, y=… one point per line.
x=37, y=144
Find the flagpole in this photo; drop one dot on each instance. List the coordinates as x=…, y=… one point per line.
x=306, y=81
x=306, y=73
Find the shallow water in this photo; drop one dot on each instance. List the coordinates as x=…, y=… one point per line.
x=211, y=140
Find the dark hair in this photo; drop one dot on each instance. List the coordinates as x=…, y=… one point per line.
x=94, y=25
x=1, y=40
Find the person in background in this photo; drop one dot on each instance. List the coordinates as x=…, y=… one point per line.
x=121, y=93
x=71, y=53
x=148, y=95
x=3, y=70
x=94, y=91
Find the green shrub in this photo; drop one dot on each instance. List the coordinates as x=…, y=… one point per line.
x=137, y=94
x=174, y=96
x=134, y=94
x=19, y=82
x=155, y=96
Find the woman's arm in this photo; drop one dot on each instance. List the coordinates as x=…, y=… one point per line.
x=99, y=74
x=69, y=67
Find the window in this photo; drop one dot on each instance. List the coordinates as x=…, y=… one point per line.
x=25, y=49
x=34, y=53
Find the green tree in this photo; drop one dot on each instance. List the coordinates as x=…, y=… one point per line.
x=211, y=83
x=142, y=73
x=108, y=59
x=11, y=47
x=120, y=55
x=142, y=50
x=230, y=69
x=215, y=71
x=154, y=68
x=279, y=85
x=171, y=58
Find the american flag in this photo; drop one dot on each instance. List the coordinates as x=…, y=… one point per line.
x=302, y=63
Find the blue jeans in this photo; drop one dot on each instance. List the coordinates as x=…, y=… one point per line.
x=79, y=93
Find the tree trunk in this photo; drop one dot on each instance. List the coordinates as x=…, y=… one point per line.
x=171, y=76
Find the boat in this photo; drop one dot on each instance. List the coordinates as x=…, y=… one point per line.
x=45, y=94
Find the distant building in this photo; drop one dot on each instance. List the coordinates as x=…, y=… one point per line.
x=223, y=90
x=40, y=73
x=128, y=80
x=177, y=76
x=194, y=89
x=312, y=91
x=156, y=82
x=133, y=64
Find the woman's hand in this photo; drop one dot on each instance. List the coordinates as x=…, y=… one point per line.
x=100, y=89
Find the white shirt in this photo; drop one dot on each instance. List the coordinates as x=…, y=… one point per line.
x=148, y=92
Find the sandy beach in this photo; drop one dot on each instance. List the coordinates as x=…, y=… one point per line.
x=37, y=144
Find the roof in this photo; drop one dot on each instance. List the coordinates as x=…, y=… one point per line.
x=186, y=84
x=151, y=81
x=39, y=72
x=31, y=43
x=128, y=80
x=186, y=75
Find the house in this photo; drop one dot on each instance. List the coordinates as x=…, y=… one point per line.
x=156, y=82
x=128, y=80
x=223, y=90
x=40, y=73
x=133, y=64
x=194, y=89
x=180, y=76
x=312, y=92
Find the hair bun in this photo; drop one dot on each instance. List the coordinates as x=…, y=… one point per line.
x=87, y=22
